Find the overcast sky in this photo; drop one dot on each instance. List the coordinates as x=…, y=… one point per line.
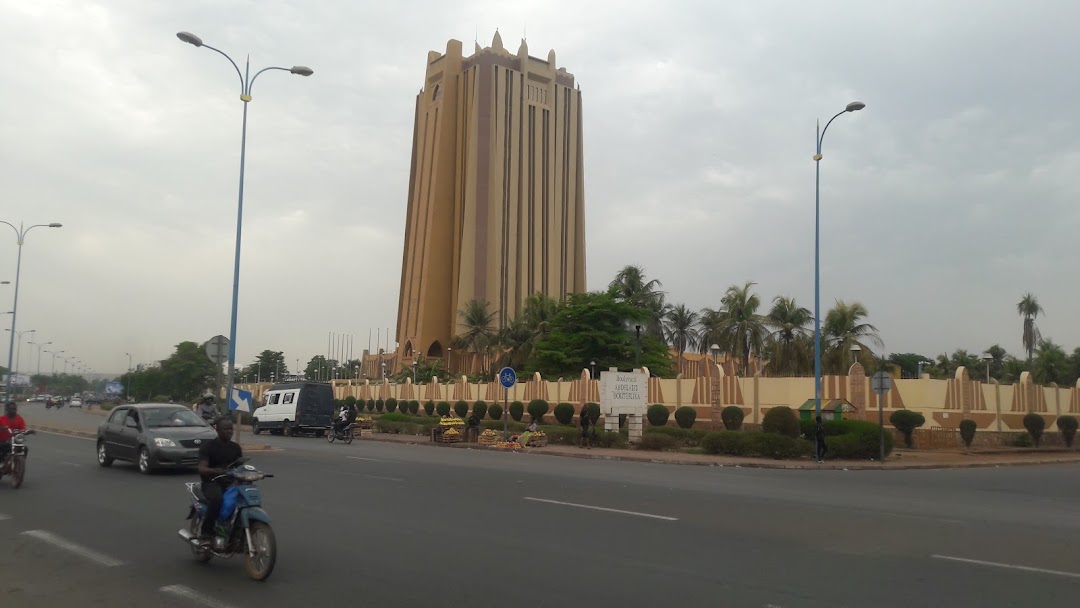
x=950, y=195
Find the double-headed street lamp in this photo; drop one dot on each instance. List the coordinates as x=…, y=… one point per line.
x=246, y=82
x=14, y=368
x=40, y=346
x=851, y=107
x=20, y=234
x=54, y=353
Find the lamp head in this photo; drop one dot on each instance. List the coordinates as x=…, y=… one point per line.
x=301, y=70
x=189, y=38
x=56, y=225
x=854, y=106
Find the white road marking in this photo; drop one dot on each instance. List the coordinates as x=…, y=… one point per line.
x=595, y=508
x=980, y=562
x=3, y=517
x=368, y=459
x=925, y=517
x=81, y=551
x=70, y=464
x=190, y=594
x=384, y=478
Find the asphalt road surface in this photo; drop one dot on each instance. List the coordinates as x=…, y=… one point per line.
x=382, y=524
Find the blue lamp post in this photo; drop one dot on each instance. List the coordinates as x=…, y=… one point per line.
x=851, y=107
x=246, y=82
x=20, y=234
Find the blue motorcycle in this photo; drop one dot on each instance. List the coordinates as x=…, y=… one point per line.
x=243, y=527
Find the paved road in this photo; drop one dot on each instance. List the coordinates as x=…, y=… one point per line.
x=397, y=525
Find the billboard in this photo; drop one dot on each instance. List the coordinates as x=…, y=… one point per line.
x=17, y=380
x=114, y=389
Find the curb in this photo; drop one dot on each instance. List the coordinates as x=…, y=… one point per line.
x=89, y=435
x=853, y=466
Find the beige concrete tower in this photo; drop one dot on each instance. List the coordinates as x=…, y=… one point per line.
x=496, y=191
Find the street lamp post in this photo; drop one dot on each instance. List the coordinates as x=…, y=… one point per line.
x=637, y=347
x=14, y=368
x=715, y=350
x=987, y=358
x=851, y=107
x=918, y=368
x=855, y=350
x=592, y=370
x=40, y=346
x=20, y=234
x=415, y=365
x=246, y=83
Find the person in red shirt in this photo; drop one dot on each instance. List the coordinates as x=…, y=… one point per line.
x=10, y=421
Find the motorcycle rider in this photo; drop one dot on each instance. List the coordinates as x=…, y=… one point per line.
x=345, y=418
x=214, y=458
x=10, y=421
x=206, y=409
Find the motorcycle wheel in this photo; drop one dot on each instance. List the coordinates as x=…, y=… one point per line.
x=348, y=438
x=331, y=436
x=264, y=545
x=202, y=554
x=18, y=471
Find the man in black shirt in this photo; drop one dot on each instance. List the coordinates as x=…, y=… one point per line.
x=214, y=456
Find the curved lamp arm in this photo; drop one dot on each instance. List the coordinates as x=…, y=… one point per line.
x=235, y=67
x=299, y=70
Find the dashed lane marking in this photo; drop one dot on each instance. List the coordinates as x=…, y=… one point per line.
x=60, y=543
x=384, y=478
x=606, y=509
x=367, y=459
x=979, y=562
x=188, y=593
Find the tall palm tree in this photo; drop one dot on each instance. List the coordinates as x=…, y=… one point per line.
x=736, y=326
x=478, y=327
x=681, y=329
x=533, y=323
x=630, y=286
x=844, y=327
x=1029, y=309
x=789, y=322
x=1051, y=363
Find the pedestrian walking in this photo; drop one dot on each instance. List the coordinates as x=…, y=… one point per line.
x=586, y=422
x=819, y=441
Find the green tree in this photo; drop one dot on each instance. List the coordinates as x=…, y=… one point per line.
x=593, y=327
x=320, y=367
x=997, y=356
x=267, y=361
x=790, y=335
x=533, y=323
x=1051, y=364
x=1028, y=307
x=908, y=363
x=681, y=328
x=736, y=325
x=631, y=287
x=844, y=327
x=477, y=328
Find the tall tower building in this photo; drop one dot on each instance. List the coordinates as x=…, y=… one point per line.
x=496, y=191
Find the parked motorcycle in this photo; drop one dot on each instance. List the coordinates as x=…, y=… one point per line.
x=346, y=434
x=15, y=462
x=246, y=528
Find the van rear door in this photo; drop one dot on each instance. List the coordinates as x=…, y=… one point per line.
x=316, y=406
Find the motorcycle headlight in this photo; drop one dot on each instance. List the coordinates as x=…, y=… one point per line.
x=19, y=439
x=248, y=475
x=164, y=442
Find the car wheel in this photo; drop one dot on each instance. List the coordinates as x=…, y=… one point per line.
x=103, y=458
x=286, y=429
x=145, y=466
x=255, y=427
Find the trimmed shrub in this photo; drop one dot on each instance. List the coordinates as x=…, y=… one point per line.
x=350, y=400
x=594, y=411
x=414, y=407
x=461, y=408
x=497, y=425
x=967, y=431
x=685, y=416
x=391, y=404
x=688, y=438
x=564, y=413
x=658, y=442
x=537, y=409
x=371, y=405
x=395, y=417
x=1022, y=441
x=861, y=444
x=835, y=427
x=906, y=421
x=481, y=408
x=781, y=420
x=732, y=416
x=379, y=405
x=443, y=408
x=495, y=411
x=1067, y=426
x=429, y=407
x=1035, y=425
x=768, y=445
x=611, y=439
x=657, y=414
x=517, y=410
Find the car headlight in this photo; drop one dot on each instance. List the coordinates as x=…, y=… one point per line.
x=164, y=442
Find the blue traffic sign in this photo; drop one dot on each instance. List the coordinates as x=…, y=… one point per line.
x=507, y=377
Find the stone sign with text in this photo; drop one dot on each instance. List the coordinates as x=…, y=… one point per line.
x=624, y=392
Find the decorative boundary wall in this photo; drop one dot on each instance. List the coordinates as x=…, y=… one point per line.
x=944, y=403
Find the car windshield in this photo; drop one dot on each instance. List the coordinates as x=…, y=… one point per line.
x=171, y=417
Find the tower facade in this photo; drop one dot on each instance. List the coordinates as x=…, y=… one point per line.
x=496, y=191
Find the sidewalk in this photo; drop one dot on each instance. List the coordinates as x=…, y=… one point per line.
x=900, y=459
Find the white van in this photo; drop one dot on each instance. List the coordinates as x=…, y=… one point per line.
x=295, y=407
